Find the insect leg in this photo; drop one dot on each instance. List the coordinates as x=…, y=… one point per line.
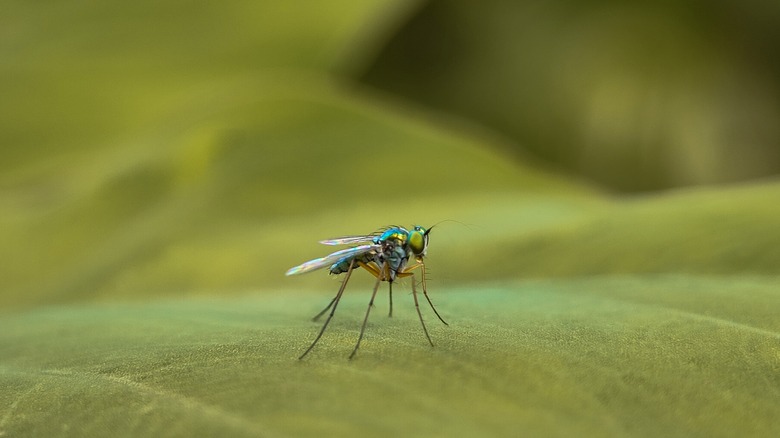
x=373, y=269
x=368, y=267
x=408, y=272
x=417, y=306
x=391, y=300
x=335, y=303
x=370, y=304
x=425, y=292
x=325, y=309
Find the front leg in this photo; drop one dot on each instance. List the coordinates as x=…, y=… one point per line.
x=417, y=306
x=408, y=273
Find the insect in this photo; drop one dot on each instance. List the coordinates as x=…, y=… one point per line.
x=385, y=254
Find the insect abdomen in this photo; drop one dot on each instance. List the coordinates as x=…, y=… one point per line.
x=343, y=264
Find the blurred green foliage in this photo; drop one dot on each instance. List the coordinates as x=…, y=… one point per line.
x=635, y=95
x=163, y=163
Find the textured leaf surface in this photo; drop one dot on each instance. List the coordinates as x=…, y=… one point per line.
x=600, y=356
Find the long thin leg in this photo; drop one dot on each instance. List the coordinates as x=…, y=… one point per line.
x=391, y=299
x=425, y=292
x=326, y=308
x=417, y=306
x=370, y=304
x=373, y=271
x=335, y=304
x=408, y=273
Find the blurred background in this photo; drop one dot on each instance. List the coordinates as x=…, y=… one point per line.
x=635, y=96
x=175, y=149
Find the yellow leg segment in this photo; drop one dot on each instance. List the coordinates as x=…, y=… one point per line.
x=373, y=269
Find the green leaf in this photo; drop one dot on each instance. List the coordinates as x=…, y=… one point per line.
x=600, y=356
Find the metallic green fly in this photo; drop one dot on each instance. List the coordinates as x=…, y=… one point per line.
x=385, y=255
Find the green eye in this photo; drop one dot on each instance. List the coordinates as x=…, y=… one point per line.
x=417, y=242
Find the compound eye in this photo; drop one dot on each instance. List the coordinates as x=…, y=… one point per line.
x=417, y=242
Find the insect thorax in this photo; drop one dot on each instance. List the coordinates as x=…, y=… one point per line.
x=393, y=253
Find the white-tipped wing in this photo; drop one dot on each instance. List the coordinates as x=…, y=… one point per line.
x=328, y=260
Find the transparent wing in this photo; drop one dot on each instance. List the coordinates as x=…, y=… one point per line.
x=348, y=240
x=353, y=240
x=313, y=265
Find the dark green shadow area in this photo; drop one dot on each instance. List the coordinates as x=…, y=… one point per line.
x=638, y=96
